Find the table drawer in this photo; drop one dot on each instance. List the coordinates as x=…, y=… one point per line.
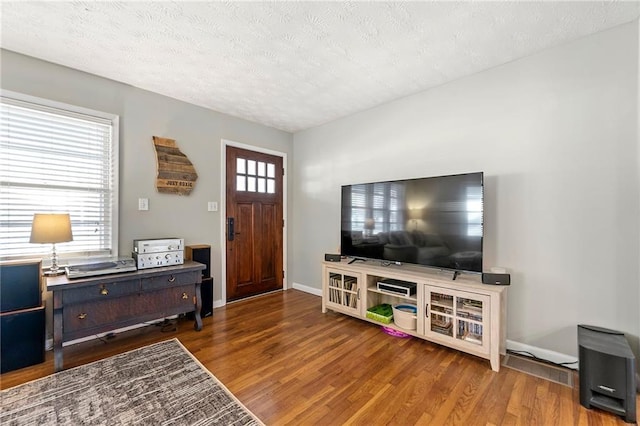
x=101, y=291
x=156, y=304
x=171, y=280
x=172, y=300
x=94, y=314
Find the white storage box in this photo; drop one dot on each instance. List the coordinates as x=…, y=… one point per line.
x=405, y=315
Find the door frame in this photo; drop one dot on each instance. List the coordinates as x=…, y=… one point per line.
x=223, y=209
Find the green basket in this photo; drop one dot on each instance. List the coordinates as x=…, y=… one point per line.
x=382, y=313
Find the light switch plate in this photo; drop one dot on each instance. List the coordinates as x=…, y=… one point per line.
x=212, y=206
x=143, y=204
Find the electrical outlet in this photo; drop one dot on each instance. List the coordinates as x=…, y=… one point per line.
x=143, y=204
x=212, y=206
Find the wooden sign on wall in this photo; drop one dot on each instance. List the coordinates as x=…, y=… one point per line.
x=176, y=174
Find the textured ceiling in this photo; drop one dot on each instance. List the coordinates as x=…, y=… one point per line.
x=295, y=65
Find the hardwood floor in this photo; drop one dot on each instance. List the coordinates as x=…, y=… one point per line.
x=291, y=364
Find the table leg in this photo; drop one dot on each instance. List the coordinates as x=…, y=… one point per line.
x=57, y=332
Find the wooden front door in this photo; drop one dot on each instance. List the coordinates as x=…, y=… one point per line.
x=254, y=227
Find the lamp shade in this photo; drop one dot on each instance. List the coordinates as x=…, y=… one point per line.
x=415, y=214
x=51, y=228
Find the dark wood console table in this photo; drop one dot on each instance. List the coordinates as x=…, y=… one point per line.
x=87, y=306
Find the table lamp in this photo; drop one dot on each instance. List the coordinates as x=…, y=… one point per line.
x=415, y=215
x=369, y=225
x=51, y=229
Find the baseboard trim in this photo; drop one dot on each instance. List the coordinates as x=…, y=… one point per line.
x=218, y=303
x=307, y=289
x=545, y=354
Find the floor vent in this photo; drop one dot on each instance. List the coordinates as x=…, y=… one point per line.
x=563, y=376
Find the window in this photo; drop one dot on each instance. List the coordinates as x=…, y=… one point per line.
x=377, y=207
x=474, y=210
x=255, y=176
x=57, y=158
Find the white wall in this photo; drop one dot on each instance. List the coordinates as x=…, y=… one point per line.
x=638, y=177
x=556, y=136
x=197, y=131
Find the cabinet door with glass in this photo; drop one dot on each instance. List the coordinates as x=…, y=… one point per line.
x=459, y=316
x=342, y=291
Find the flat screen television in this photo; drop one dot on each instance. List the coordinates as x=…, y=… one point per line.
x=433, y=221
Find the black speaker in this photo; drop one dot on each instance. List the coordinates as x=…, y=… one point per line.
x=607, y=371
x=332, y=257
x=202, y=254
x=496, y=279
x=20, y=286
x=206, y=291
x=21, y=338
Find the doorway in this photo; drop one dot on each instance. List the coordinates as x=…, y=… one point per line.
x=254, y=225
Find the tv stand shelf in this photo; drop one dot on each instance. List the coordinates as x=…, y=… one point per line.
x=412, y=298
x=463, y=314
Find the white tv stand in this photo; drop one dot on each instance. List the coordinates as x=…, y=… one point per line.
x=463, y=314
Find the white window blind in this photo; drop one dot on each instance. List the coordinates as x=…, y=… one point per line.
x=57, y=158
x=383, y=202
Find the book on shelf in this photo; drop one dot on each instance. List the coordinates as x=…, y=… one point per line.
x=445, y=331
x=471, y=302
x=471, y=308
x=350, y=300
x=442, y=323
x=353, y=302
x=470, y=305
x=441, y=309
x=350, y=283
x=473, y=338
x=334, y=295
x=470, y=332
x=469, y=315
x=335, y=281
x=442, y=300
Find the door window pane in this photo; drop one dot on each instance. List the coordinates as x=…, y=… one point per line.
x=241, y=166
x=241, y=183
x=255, y=176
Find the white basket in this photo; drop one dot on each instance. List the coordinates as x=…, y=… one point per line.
x=405, y=315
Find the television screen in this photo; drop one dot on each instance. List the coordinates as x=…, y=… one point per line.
x=433, y=221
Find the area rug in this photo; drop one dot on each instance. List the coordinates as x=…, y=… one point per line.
x=159, y=384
